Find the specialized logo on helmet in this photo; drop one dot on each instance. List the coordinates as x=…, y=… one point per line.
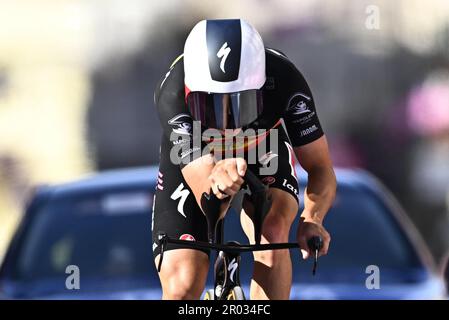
x=223, y=54
x=181, y=124
x=224, y=63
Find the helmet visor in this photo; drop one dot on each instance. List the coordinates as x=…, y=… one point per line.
x=225, y=110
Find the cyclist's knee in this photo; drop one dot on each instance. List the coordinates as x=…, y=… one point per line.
x=183, y=284
x=270, y=258
x=276, y=229
x=183, y=275
x=284, y=205
x=176, y=290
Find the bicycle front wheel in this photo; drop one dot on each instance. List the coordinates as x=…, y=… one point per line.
x=236, y=293
x=209, y=295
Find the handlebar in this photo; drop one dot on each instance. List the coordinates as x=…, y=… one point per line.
x=314, y=244
x=234, y=247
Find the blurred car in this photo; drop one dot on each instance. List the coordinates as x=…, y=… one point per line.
x=445, y=269
x=102, y=225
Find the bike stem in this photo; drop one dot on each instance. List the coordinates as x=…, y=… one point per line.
x=261, y=202
x=211, y=208
x=259, y=198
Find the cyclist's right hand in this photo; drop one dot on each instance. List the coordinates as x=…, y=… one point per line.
x=227, y=177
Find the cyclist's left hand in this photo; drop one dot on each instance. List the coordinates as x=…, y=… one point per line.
x=307, y=229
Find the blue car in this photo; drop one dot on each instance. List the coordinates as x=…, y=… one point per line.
x=98, y=229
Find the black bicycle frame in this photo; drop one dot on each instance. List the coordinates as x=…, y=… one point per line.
x=226, y=273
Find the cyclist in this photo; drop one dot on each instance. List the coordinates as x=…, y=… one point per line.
x=228, y=81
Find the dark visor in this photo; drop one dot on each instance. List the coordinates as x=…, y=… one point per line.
x=225, y=110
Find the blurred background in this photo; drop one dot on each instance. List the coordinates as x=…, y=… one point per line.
x=77, y=80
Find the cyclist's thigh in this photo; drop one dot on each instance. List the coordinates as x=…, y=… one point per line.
x=175, y=211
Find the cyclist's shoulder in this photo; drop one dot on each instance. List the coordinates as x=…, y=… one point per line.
x=279, y=65
x=176, y=68
x=178, y=62
x=173, y=78
x=277, y=59
x=275, y=53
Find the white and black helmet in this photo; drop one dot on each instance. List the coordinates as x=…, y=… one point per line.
x=224, y=67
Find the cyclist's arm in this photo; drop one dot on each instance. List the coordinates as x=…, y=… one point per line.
x=175, y=119
x=321, y=186
x=197, y=167
x=177, y=127
x=309, y=145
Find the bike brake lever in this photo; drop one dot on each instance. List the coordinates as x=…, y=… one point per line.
x=315, y=244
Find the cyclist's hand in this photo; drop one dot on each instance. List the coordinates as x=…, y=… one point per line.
x=227, y=177
x=307, y=229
